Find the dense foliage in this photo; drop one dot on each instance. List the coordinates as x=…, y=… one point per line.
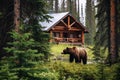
x=22, y=51
x=73, y=71
x=103, y=15
x=103, y=39
x=30, y=15
x=24, y=55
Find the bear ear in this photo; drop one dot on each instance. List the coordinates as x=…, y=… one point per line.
x=66, y=47
x=74, y=47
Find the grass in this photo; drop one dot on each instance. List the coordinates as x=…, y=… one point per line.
x=72, y=71
x=57, y=49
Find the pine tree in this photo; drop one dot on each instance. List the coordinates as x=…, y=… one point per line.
x=24, y=57
x=78, y=18
x=5, y=71
x=25, y=50
x=63, y=9
x=51, y=5
x=118, y=28
x=74, y=11
x=103, y=23
x=6, y=23
x=90, y=22
x=28, y=10
x=56, y=6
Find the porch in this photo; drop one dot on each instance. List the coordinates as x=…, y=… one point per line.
x=67, y=37
x=67, y=40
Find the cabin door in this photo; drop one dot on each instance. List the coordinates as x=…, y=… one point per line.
x=65, y=36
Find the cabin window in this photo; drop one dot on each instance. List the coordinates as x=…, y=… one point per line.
x=79, y=35
x=56, y=34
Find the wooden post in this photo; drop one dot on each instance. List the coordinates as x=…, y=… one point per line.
x=61, y=34
x=17, y=14
x=113, y=54
x=51, y=37
x=82, y=37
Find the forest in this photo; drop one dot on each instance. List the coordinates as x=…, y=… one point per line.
x=27, y=54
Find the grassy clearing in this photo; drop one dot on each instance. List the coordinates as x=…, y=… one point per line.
x=63, y=70
x=57, y=49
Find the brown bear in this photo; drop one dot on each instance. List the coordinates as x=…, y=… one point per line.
x=76, y=53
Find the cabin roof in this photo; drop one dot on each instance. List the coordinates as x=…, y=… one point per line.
x=56, y=17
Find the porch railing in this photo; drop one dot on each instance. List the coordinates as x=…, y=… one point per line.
x=72, y=40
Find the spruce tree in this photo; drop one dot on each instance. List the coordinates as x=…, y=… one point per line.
x=90, y=22
x=102, y=34
x=118, y=28
x=6, y=24
x=24, y=57
x=28, y=48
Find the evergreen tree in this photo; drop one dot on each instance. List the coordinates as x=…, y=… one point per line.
x=30, y=11
x=63, y=9
x=56, y=6
x=6, y=23
x=5, y=72
x=29, y=47
x=102, y=34
x=36, y=14
x=50, y=3
x=118, y=28
x=74, y=11
x=90, y=22
x=107, y=33
x=23, y=57
x=78, y=18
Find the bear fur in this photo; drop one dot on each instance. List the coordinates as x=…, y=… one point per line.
x=79, y=54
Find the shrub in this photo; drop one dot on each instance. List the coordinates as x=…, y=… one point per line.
x=73, y=71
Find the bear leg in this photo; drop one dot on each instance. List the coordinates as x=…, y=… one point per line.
x=84, y=60
x=77, y=60
x=71, y=58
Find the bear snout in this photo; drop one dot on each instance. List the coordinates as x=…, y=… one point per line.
x=62, y=52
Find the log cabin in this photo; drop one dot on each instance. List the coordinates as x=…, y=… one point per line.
x=64, y=28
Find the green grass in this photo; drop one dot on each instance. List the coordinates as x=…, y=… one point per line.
x=57, y=49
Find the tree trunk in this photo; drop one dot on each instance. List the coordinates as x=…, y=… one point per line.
x=75, y=7
x=16, y=14
x=71, y=6
x=78, y=11
x=56, y=6
x=113, y=54
x=63, y=6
